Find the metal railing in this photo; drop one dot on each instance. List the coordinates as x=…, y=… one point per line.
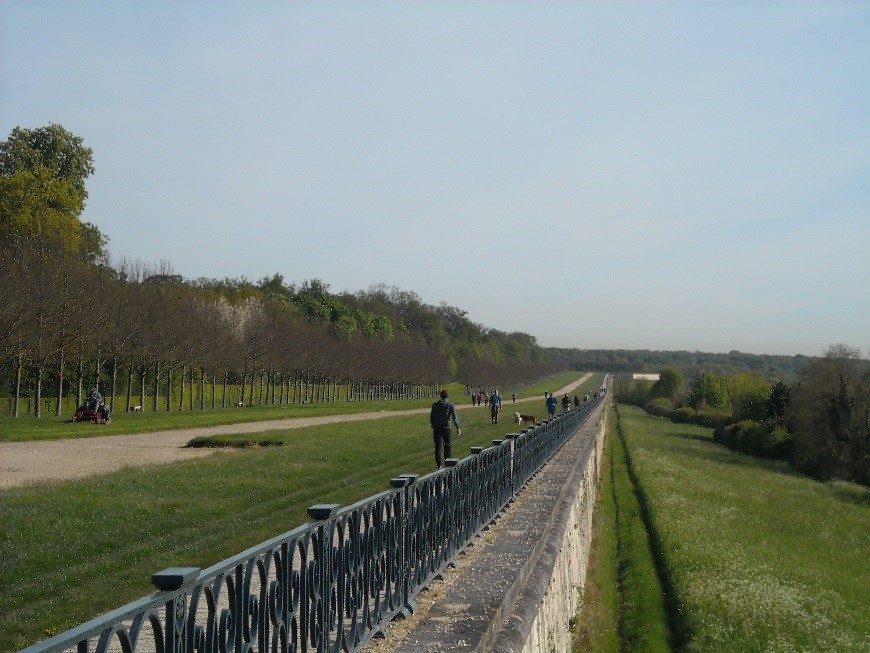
x=336, y=581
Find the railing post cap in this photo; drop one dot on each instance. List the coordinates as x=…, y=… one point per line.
x=400, y=481
x=496, y=443
x=323, y=511
x=173, y=578
x=451, y=462
x=477, y=450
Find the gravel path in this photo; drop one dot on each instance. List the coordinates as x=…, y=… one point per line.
x=22, y=463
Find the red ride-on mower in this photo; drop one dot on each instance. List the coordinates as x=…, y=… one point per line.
x=93, y=410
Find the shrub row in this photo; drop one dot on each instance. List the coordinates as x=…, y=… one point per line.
x=765, y=439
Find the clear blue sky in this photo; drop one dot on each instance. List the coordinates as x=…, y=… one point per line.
x=665, y=175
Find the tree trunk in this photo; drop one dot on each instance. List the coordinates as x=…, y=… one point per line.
x=130, y=382
x=226, y=381
x=17, y=400
x=156, y=384
x=80, y=380
x=37, y=409
x=60, y=365
x=169, y=386
x=181, y=395
x=114, y=383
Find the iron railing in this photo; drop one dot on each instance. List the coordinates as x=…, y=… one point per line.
x=333, y=583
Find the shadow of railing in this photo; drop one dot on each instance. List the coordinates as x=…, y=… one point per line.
x=335, y=582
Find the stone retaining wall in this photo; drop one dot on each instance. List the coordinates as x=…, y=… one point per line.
x=540, y=620
x=561, y=601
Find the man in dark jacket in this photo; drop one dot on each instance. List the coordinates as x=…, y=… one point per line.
x=442, y=413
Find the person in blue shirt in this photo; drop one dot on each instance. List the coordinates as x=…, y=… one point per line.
x=494, y=406
x=442, y=413
x=551, y=405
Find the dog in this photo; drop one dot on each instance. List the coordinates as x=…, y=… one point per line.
x=136, y=409
x=525, y=419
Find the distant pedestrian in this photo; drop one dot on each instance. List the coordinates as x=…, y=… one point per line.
x=566, y=403
x=442, y=413
x=514, y=397
x=494, y=406
x=551, y=405
x=576, y=401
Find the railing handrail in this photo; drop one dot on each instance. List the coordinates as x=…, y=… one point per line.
x=332, y=583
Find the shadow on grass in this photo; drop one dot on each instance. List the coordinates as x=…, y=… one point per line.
x=211, y=442
x=679, y=629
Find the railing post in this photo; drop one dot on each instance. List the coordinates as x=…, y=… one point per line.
x=170, y=580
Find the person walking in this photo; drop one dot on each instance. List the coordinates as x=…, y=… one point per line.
x=494, y=406
x=442, y=413
x=566, y=403
x=551, y=405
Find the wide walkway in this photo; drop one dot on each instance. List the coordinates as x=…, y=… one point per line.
x=22, y=463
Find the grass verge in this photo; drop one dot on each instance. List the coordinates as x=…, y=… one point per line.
x=596, y=626
x=758, y=558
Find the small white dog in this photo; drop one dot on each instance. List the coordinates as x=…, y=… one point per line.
x=136, y=409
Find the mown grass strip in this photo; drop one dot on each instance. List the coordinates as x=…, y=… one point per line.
x=596, y=629
x=74, y=550
x=643, y=621
x=759, y=558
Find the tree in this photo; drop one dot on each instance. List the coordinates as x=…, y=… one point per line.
x=749, y=396
x=778, y=402
x=830, y=415
x=53, y=148
x=42, y=193
x=669, y=384
x=709, y=391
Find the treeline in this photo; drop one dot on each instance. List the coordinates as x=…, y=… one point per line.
x=689, y=363
x=820, y=423
x=70, y=320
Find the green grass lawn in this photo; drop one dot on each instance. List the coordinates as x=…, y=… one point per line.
x=757, y=557
x=49, y=427
x=74, y=550
x=596, y=628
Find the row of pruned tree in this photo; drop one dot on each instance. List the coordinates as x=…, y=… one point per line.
x=144, y=335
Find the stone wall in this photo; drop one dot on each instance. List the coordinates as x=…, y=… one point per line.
x=550, y=630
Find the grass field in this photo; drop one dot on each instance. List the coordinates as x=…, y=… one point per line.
x=74, y=550
x=49, y=427
x=752, y=556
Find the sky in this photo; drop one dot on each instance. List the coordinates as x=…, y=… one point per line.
x=633, y=175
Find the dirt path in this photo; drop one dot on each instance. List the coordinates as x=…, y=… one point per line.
x=22, y=463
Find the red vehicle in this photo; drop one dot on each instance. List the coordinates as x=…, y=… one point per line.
x=93, y=410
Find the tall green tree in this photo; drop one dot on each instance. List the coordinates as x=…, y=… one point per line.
x=830, y=415
x=52, y=147
x=669, y=384
x=43, y=172
x=749, y=394
x=709, y=391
